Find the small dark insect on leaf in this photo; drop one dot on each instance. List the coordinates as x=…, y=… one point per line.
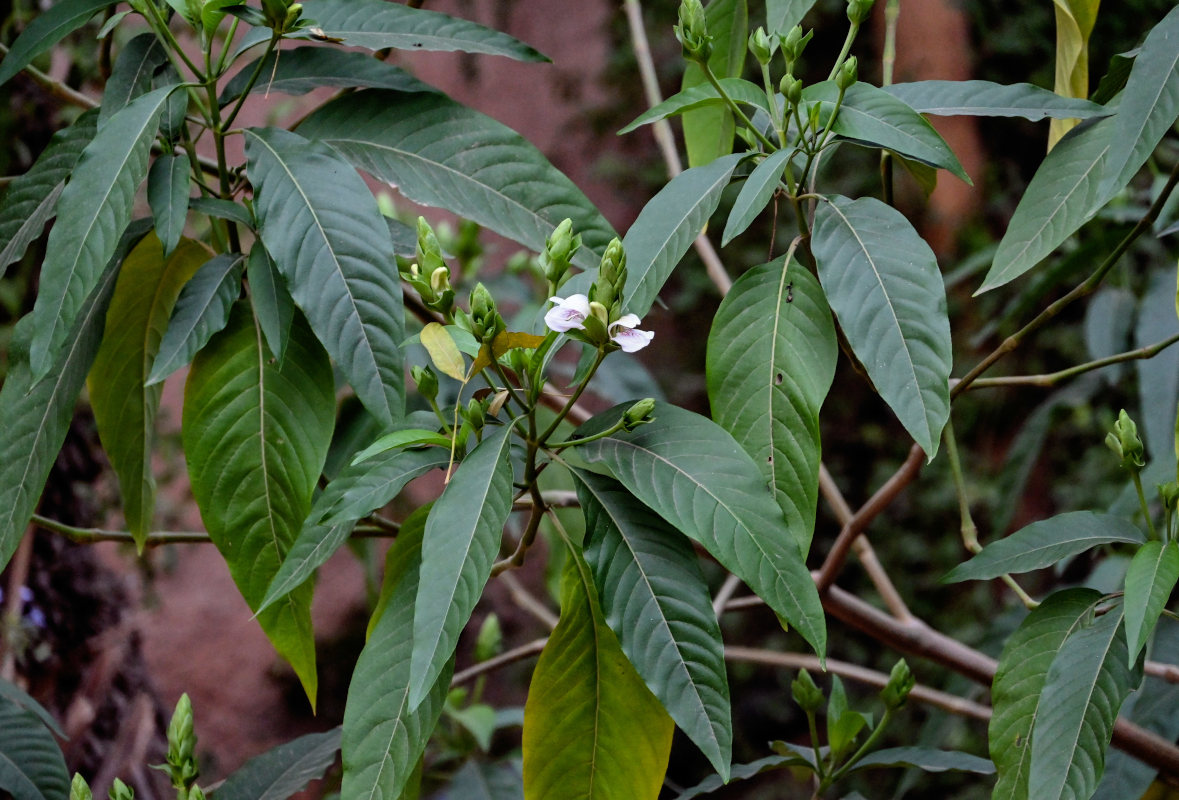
x=790, y=292
x=318, y=35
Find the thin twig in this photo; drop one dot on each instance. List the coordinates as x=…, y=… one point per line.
x=18, y=575
x=56, y=87
x=725, y=593
x=91, y=535
x=528, y=601
x=502, y=660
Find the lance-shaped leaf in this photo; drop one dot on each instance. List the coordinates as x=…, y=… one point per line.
x=255, y=438
x=223, y=209
x=656, y=601
x=47, y=29
x=1043, y=543
x=31, y=764
x=284, y=770
x=883, y=284
x=168, y=184
x=132, y=74
x=1149, y=580
x=708, y=132
x=321, y=224
x=124, y=405
x=1061, y=197
x=305, y=68
x=1086, y=685
x=755, y=194
x=929, y=759
x=383, y=737
x=476, y=780
x=592, y=730
x=771, y=359
x=14, y=694
x=696, y=476
x=703, y=96
x=37, y=413
x=462, y=539
x=440, y=153
x=782, y=15
x=1149, y=105
x=31, y=199
x=987, y=99
x=377, y=25
x=1020, y=678
x=94, y=210
x=874, y=117
x=272, y=303
x=362, y=488
x=202, y=309
x=1158, y=377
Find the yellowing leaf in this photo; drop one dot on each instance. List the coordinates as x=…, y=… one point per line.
x=1074, y=24
x=443, y=350
x=502, y=343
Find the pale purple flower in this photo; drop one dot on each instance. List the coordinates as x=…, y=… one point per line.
x=626, y=334
x=568, y=313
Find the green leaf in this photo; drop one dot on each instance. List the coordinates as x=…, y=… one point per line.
x=782, y=15
x=702, y=96
x=772, y=352
x=1061, y=197
x=741, y=772
x=1020, y=678
x=31, y=764
x=479, y=781
x=1149, y=580
x=443, y=350
x=360, y=489
x=462, y=540
x=201, y=310
x=592, y=730
x=284, y=770
x=305, y=68
x=255, y=438
x=656, y=601
x=94, y=210
x=440, y=153
x=1158, y=377
x=410, y=437
x=37, y=413
x=696, y=476
x=124, y=405
x=874, y=117
x=47, y=29
x=14, y=694
x=987, y=99
x=1043, y=543
x=311, y=549
x=755, y=194
x=132, y=74
x=1074, y=23
x=272, y=303
x=667, y=226
x=223, y=209
x=31, y=199
x=883, y=284
x=378, y=25
x=708, y=132
x=1084, y=690
x=929, y=759
x=168, y=184
x=339, y=269
x=383, y=737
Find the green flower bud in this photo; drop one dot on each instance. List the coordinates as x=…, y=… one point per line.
x=692, y=31
x=181, y=735
x=611, y=275
x=559, y=250
x=79, y=790
x=900, y=683
x=1125, y=443
x=475, y=414
x=793, y=45
x=196, y=793
x=429, y=254
x=1169, y=494
x=762, y=45
x=121, y=791
x=486, y=323
x=858, y=10
x=293, y=14
x=848, y=73
x=808, y=696
x=791, y=89
x=426, y=381
x=638, y=414
x=490, y=640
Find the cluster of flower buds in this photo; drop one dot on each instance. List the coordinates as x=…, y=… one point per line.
x=793, y=43
x=485, y=322
x=638, y=414
x=181, y=759
x=858, y=10
x=1126, y=444
x=808, y=696
x=900, y=683
x=598, y=319
x=281, y=15
x=848, y=73
x=428, y=274
x=762, y=46
x=692, y=32
x=559, y=249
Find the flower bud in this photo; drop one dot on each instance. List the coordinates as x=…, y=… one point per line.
x=426, y=381
x=762, y=45
x=793, y=45
x=1169, y=494
x=858, y=10
x=611, y=276
x=559, y=250
x=486, y=323
x=808, y=696
x=79, y=790
x=692, y=31
x=293, y=13
x=490, y=640
x=440, y=279
x=181, y=735
x=791, y=89
x=429, y=253
x=848, y=73
x=475, y=414
x=120, y=791
x=1125, y=443
x=900, y=683
x=638, y=414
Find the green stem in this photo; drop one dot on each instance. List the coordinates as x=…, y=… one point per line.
x=544, y=437
x=1052, y=378
x=613, y=429
x=270, y=46
x=814, y=730
x=1142, y=503
x=91, y=535
x=736, y=109
x=160, y=26
x=228, y=44
x=863, y=750
x=853, y=29
x=777, y=115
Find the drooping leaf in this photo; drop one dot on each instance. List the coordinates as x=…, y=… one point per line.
x=383, y=738
x=132, y=73
x=14, y=694
x=273, y=305
x=708, y=131
x=124, y=405
x=874, y=117
x=321, y=225
x=592, y=730
x=440, y=153
x=37, y=413
x=462, y=540
x=782, y=15
x=443, y=350
x=772, y=352
x=168, y=184
x=284, y=770
x=702, y=96
x=93, y=211
x=929, y=759
x=987, y=99
x=1074, y=24
x=883, y=284
x=255, y=438
x=201, y=310
x=305, y=68
x=755, y=194
x=1043, y=543
x=1158, y=377
x=31, y=764
x=31, y=199
x=1061, y=197
x=696, y=476
x=1019, y=680
x=656, y=601
x=377, y=25
x=1149, y=580
x=47, y=29
x=1085, y=687
x=1115, y=77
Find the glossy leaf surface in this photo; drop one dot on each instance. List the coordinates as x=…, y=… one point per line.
x=755, y=194
x=31, y=764
x=273, y=305
x=303, y=69
x=168, y=184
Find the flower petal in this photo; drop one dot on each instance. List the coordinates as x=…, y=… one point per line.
x=631, y=339
x=568, y=313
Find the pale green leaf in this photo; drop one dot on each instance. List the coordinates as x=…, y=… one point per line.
x=755, y=194
x=1074, y=24
x=362, y=488
x=284, y=770
x=929, y=759
x=1149, y=580
x=696, y=476
x=1043, y=543
x=702, y=96
x=272, y=303
x=201, y=310
x=708, y=132
x=31, y=764
x=168, y=184
x=132, y=74
x=656, y=601
x=47, y=29
x=255, y=438
x=440, y=153
x=443, y=350
x=987, y=99
x=410, y=437
x=884, y=285
x=772, y=352
x=592, y=730
x=462, y=540
x=782, y=15
x=303, y=69
x=321, y=225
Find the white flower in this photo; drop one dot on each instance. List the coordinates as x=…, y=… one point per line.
x=568, y=313
x=626, y=335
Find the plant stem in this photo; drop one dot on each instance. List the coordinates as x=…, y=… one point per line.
x=270, y=46
x=601, y=354
x=864, y=748
x=1137, y=478
x=736, y=109
x=91, y=535
x=853, y=29
x=1053, y=378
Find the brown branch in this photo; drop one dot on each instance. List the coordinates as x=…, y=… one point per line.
x=502, y=660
